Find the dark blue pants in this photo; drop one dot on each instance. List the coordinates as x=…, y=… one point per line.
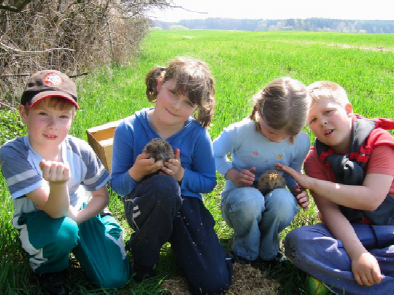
x=314, y=249
x=158, y=213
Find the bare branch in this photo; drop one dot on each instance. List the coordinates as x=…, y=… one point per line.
x=7, y=106
x=15, y=9
x=28, y=75
x=181, y=7
x=39, y=51
x=14, y=75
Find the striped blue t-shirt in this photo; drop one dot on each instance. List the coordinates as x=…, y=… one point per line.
x=20, y=167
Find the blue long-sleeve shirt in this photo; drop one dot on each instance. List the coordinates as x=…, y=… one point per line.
x=193, y=141
x=249, y=148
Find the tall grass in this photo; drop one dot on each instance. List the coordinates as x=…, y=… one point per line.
x=242, y=63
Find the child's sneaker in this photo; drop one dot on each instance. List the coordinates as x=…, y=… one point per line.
x=54, y=283
x=277, y=261
x=237, y=258
x=234, y=257
x=143, y=272
x=316, y=287
x=105, y=212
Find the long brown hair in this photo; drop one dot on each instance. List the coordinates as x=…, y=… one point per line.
x=193, y=79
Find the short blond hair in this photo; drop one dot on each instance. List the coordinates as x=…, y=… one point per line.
x=55, y=102
x=328, y=90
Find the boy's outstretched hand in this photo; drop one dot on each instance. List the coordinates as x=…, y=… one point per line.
x=303, y=180
x=55, y=172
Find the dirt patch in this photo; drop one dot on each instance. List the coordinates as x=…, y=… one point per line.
x=247, y=280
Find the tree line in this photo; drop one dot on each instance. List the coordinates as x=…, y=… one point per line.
x=309, y=24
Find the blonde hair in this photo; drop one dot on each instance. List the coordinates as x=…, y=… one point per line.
x=329, y=90
x=55, y=102
x=193, y=79
x=283, y=105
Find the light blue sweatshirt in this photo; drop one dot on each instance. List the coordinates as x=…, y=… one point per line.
x=249, y=148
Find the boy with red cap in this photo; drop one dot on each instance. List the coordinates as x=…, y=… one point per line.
x=48, y=173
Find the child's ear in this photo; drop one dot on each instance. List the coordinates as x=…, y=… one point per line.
x=22, y=113
x=349, y=109
x=159, y=84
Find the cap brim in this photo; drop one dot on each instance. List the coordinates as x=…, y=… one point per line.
x=46, y=94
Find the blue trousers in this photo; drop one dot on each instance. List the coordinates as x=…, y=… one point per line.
x=158, y=214
x=97, y=244
x=257, y=220
x=314, y=250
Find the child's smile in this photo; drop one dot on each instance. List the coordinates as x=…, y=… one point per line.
x=50, y=137
x=47, y=126
x=329, y=131
x=172, y=109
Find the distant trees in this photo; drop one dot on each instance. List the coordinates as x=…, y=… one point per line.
x=309, y=24
x=178, y=27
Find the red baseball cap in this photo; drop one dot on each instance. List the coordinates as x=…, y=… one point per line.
x=43, y=84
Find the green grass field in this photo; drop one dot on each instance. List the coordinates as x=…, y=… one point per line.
x=241, y=63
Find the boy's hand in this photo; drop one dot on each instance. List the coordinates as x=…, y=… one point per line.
x=303, y=180
x=301, y=196
x=366, y=270
x=144, y=165
x=174, y=168
x=55, y=172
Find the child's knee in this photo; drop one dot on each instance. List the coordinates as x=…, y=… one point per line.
x=296, y=243
x=115, y=280
x=249, y=204
x=283, y=202
x=166, y=191
x=63, y=233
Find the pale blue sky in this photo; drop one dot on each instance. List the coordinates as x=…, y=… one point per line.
x=271, y=9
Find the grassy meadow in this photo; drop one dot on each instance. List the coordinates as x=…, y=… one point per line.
x=241, y=63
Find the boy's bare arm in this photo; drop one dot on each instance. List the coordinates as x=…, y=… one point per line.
x=55, y=200
x=365, y=267
x=363, y=197
x=99, y=200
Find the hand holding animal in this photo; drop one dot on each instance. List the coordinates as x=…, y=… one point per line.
x=159, y=149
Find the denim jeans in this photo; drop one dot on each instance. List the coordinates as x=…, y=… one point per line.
x=314, y=250
x=257, y=220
